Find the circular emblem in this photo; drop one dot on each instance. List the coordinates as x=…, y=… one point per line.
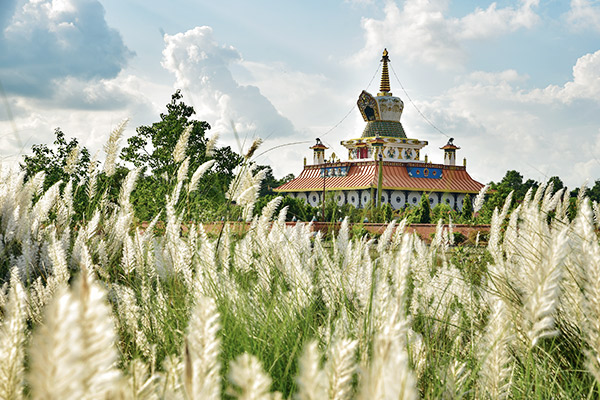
x=425, y=172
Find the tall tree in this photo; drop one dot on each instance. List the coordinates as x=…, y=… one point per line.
x=152, y=149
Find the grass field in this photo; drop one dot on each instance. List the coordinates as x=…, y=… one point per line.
x=102, y=310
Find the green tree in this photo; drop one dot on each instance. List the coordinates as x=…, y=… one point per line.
x=444, y=212
x=68, y=162
x=152, y=148
x=270, y=182
x=467, y=208
x=424, y=210
x=54, y=162
x=594, y=192
x=512, y=182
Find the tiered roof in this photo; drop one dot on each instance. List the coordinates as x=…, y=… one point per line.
x=396, y=176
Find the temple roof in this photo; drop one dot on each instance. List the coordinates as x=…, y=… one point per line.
x=406, y=176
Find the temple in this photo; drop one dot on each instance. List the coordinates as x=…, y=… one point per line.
x=383, y=166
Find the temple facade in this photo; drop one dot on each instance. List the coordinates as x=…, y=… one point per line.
x=383, y=165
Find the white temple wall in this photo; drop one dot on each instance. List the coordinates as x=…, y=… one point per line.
x=397, y=199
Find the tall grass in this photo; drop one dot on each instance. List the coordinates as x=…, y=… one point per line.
x=105, y=309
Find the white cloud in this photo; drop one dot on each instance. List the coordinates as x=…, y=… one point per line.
x=100, y=106
x=422, y=31
x=202, y=69
x=44, y=41
x=585, y=83
x=495, y=21
x=584, y=14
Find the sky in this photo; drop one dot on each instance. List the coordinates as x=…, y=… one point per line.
x=515, y=83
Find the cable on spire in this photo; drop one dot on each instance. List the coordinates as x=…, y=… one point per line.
x=417, y=108
x=351, y=108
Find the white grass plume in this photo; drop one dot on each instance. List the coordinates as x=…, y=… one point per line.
x=44, y=205
x=98, y=355
x=244, y=188
x=12, y=341
x=55, y=365
x=112, y=148
x=182, y=144
x=311, y=379
x=253, y=147
x=496, y=360
x=539, y=193
x=92, y=182
x=340, y=368
x=389, y=375
x=71, y=161
x=542, y=304
x=590, y=268
x=211, y=143
x=480, y=199
x=200, y=171
x=127, y=187
x=201, y=375
x=385, y=239
x=249, y=380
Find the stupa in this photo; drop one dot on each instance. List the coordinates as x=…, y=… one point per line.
x=383, y=165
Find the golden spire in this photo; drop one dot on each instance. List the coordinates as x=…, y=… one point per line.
x=385, y=76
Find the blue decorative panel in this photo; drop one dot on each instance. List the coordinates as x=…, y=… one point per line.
x=335, y=171
x=424, y=172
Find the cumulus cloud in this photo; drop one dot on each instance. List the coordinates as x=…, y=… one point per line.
x=46, y=41
x=422, y=31
x=584, y=14
x=202, y=68
x=86, y=110
x=585, y=83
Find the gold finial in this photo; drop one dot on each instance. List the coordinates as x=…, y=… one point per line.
x=385, y=76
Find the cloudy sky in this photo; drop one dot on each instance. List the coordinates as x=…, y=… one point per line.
x=516, y=83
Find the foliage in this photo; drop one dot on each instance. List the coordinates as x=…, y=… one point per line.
x=296, y=208
x=152, y=148
x=467, y=208
x=270, y=183
x=67, y=161
x=443, y=212
x=424, y=213
x=511, y=182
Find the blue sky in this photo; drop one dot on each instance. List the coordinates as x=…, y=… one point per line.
x=516, y=83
